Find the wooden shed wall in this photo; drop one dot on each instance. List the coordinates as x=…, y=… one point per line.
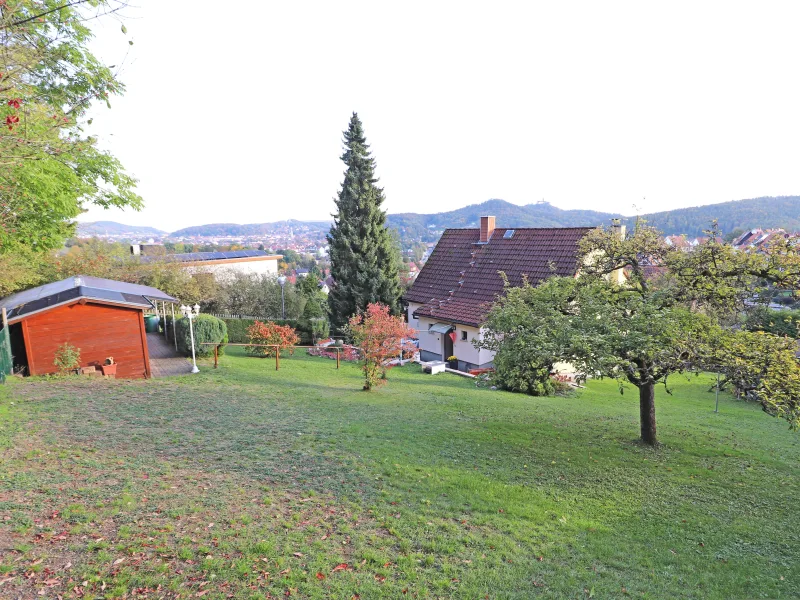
x=99, y=331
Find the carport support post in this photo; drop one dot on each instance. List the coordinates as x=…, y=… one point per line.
x=164, y=306
x=5, y=341
x=174, y=329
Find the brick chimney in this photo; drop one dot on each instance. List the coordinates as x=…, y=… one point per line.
x=487, y=228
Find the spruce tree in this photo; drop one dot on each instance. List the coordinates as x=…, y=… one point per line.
x=363, y=253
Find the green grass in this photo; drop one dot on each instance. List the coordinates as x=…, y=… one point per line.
x=249, y=483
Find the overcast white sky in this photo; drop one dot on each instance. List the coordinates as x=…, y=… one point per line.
x=235, y=111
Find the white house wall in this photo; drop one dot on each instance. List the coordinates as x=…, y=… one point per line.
x=256, y=267
x=462, y=349
x=412, y=322
x=429, y=342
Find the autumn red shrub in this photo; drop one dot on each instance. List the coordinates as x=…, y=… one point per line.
x=381, y=338
x=270, y=333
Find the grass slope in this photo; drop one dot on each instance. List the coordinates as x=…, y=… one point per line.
x=250, y=483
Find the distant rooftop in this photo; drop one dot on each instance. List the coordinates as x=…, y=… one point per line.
x=192, y=257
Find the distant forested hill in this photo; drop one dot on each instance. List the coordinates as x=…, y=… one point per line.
x=766, y=212
x=541, y=214
x=234, y=229
x=114, y=228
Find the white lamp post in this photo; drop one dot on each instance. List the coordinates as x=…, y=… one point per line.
x=190, y=312
x=282, y=281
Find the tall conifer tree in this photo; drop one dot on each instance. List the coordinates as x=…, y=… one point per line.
x=363, y=254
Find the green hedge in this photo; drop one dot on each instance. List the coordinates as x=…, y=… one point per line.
x=207, y=329
x=237, y=329
x=778, y=322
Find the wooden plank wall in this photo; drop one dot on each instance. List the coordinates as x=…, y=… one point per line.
x=98, y=330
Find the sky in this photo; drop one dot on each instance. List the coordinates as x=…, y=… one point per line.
x=234, y=112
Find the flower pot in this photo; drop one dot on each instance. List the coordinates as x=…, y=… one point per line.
x=452, y=364
x=109, y=370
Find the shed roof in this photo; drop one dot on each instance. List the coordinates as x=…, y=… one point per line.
x=53, y=294
x=461, y=279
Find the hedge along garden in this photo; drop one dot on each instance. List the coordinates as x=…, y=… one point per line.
x=305, y=328
x=210, y=330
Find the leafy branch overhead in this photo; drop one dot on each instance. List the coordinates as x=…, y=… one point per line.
x=50, y=168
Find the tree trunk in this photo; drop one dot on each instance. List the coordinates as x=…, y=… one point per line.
x=647, y=412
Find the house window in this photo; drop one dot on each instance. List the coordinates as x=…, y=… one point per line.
x=463, y=336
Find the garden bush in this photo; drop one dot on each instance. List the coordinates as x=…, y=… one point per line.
x=207, y=329
x=778, y=322
x=269, y=333
x=67, y=358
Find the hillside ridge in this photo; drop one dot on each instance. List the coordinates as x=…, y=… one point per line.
x=765, y=211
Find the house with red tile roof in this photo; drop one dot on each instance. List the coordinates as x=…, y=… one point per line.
x=457, y=286
x=678, y=241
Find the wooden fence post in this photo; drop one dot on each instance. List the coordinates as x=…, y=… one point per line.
x=277, y=357
x=338, y=354
x=216, y=356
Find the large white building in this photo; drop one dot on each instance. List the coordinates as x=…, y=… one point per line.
x=220, y=264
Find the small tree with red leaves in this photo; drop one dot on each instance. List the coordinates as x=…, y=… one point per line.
x=380, y=336
x=270, y=333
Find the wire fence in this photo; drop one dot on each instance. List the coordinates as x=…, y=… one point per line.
x=248, y=317
x=6, y=360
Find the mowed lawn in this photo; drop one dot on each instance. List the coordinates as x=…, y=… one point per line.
x=244, y=482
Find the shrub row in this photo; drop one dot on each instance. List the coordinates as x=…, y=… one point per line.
x=207, y=329
x=237, y=329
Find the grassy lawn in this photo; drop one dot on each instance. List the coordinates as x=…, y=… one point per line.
x=249, y=483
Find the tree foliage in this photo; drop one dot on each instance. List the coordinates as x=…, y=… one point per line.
x=255, y=295
x=49, y=167
x=25, y=268
x=671, y=313
x=380, y=336
x=525, y=331
x=778, y=322
x=363, y=255
x=270, y=333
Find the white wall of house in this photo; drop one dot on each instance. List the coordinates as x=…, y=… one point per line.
x=462, y=349
x=222, y=269
x=412, y=322
x=429, y=342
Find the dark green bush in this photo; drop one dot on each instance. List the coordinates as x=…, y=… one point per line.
x=778, y=322
x=207, y=329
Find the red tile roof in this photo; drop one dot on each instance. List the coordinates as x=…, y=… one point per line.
x=462, y=279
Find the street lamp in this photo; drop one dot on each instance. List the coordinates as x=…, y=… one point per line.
x=282, y=281
x=190, y=312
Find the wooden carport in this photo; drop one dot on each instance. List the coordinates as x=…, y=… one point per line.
x=102, y=317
